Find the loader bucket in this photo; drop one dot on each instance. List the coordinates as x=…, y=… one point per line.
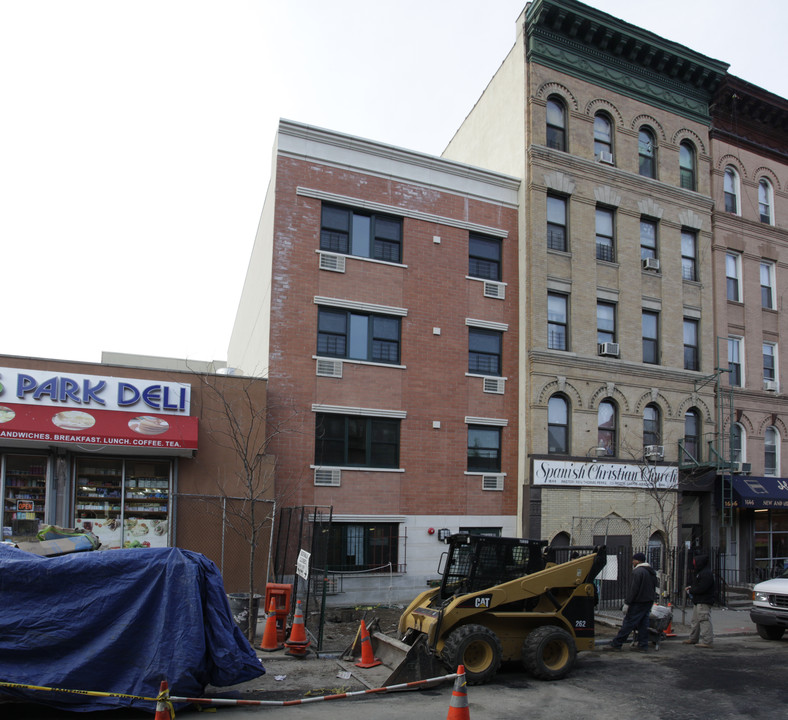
x=402, y=662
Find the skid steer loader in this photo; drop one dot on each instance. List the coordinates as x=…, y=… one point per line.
x=499, y=599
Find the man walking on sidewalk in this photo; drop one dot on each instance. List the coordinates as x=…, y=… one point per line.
x=639, y=599
x=702, y=593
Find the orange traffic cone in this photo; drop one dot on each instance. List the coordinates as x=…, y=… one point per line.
x=163, y=706
x=368, y=658
x=297, y=644
x=458, y=707
x=270, y=642
x=669, y=630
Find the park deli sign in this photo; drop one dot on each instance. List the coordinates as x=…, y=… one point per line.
x=599, y=473
x=100, y=411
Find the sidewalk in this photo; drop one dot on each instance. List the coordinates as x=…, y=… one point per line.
x=726, y=622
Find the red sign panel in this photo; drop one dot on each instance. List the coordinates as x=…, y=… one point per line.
x=97, y=427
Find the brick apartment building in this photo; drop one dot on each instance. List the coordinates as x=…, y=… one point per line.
x=381, y=301
x=534, y=348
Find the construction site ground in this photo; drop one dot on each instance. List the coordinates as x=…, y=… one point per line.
x=324, y=672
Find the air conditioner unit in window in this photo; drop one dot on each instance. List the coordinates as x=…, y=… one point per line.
x=605, y=157
x=328, y=477
x=329, y=368
x=492, y=482
x=330, y=261
x=770, y=385
x=741, y=468
x=495, y=385
x=494, y=290
x=608, y=348
x=651, y=264
x=654, y=452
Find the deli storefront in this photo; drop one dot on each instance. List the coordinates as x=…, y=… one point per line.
x=92, y=450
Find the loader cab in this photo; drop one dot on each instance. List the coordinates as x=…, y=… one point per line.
x=476, y=562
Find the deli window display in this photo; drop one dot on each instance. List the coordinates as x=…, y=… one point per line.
x=124, y=502
x=25, y=482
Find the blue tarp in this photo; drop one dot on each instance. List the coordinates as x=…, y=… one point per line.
x=117, y=621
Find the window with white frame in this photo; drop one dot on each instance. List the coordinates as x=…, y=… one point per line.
x=605, y=322
x=556, y=124
x=652, y=425
x=558, y=425
x=765, y=201
x=770, y=362
x=603, y=138
x=648, y=239
x=687, y=165
x=767, y=286
x=650, y=325
x=557, y=223
x=738, y=444
x=605, y=241
x=557, y=321
x=771, y=454
x=607, y=426
x=735, y=357
x=733, y=276
x=689, y=255
x=647, y=153
x=691, y=347
x=731, y=190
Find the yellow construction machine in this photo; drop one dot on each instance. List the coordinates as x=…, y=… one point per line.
x=499, y=599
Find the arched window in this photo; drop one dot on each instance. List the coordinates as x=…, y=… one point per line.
x=691, y=434
x=603, y=138
x=771, y=455
x=765, y=201
x=558, y=425
x=737, y=443
x=731, y=188
x=647, y=153
x=652, y=434
x=556, y=124
x=656, y=551
x=687, y=165
x=607, y=426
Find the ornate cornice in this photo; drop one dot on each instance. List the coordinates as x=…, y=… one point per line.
x=585, y=43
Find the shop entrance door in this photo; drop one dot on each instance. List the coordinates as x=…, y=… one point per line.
x=25, y=482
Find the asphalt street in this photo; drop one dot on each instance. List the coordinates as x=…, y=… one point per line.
x=741, y=676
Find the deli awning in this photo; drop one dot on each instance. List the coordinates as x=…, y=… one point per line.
x=760, y=492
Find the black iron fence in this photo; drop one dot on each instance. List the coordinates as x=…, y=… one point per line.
x=674, y=568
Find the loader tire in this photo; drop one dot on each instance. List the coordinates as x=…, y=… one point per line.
x=477, y=648
x=549, y=653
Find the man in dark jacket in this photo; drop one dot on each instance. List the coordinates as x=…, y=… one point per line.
x=702, y=592
x=639, y=599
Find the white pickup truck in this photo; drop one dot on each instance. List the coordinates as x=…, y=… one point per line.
x=769, y=609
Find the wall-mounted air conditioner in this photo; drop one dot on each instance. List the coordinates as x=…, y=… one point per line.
x=494, y=290
x=651, y=264
x=605, y=157
x=332, y=262
x=770, y=385
x=654, y=452
x=492, y=482
x=741, y=468
x=329, y=368
x=608, y=348
x=495, y=385
x=328, y=477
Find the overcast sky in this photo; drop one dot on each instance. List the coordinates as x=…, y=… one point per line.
x=136, y=136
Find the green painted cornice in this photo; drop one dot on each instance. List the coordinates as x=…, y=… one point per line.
x=581, y=41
